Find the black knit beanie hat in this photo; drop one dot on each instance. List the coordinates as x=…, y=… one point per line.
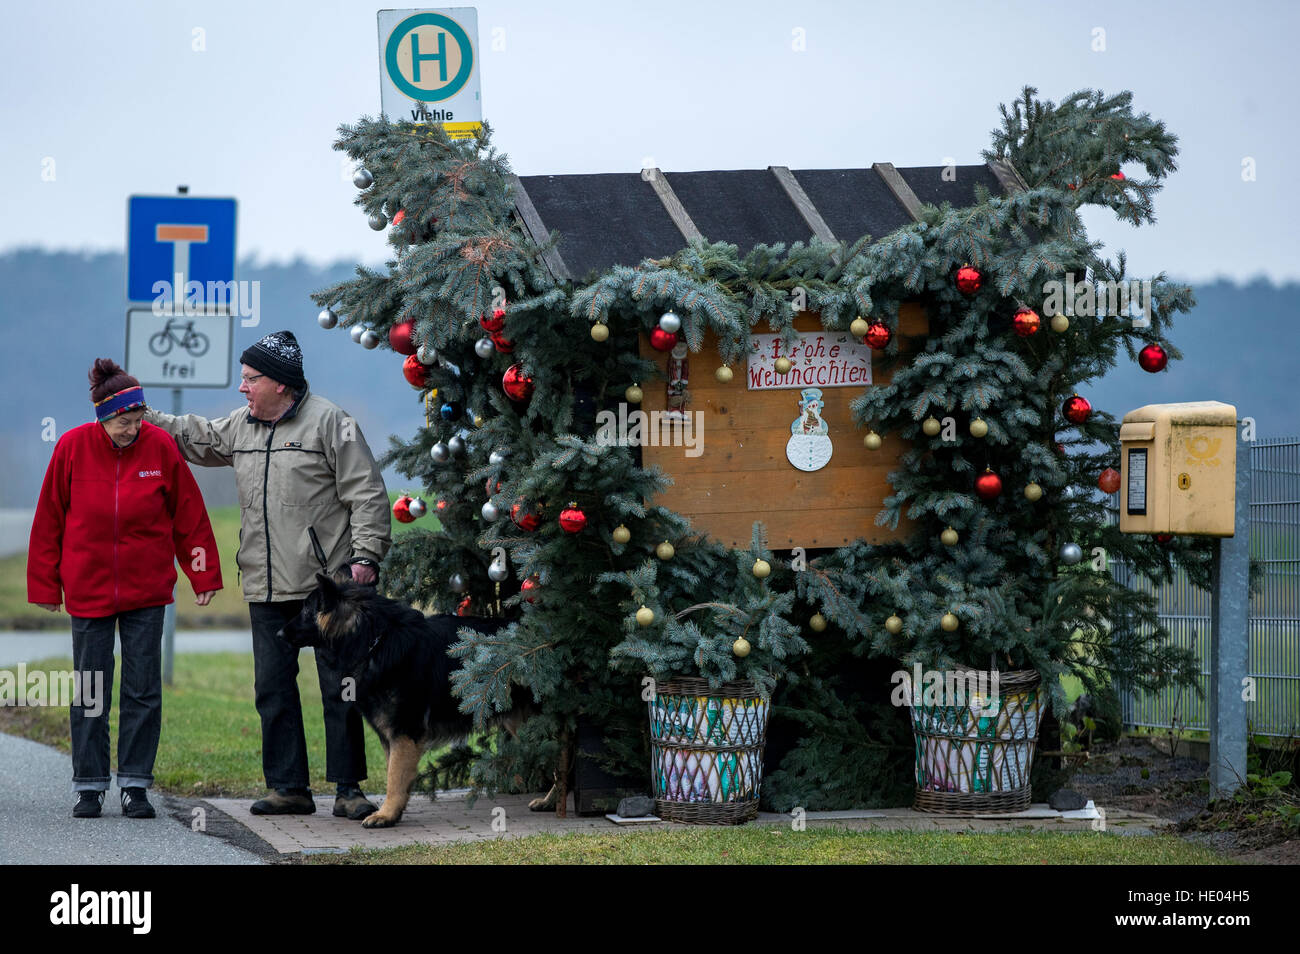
x=278, y=357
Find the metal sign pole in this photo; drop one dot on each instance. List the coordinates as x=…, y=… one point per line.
x=169, y=614
x=1230, y=640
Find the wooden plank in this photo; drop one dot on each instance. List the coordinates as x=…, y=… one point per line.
x=832, y=528
x=537, y=230
x=1008, y=176
x=802, y=203
x=672, y=205
x=902, y=191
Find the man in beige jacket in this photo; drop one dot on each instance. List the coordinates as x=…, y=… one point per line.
x=311, y=499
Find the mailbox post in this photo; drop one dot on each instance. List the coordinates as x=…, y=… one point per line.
x=1185, y=470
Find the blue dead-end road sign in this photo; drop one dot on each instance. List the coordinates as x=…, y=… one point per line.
x=167, y=235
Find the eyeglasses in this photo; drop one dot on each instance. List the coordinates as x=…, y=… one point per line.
x=249, y=380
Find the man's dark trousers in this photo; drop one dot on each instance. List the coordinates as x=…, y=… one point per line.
x=284, y=747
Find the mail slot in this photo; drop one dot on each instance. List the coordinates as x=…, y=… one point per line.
x=1178, y=469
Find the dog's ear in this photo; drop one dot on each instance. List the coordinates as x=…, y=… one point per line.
x=329, y=592
x=342, y=575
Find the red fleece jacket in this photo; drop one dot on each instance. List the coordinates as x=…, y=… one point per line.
x=110, y=522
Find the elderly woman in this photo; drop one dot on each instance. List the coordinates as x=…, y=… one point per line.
x=118, y=507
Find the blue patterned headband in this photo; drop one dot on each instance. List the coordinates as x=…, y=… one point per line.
x=128, y=399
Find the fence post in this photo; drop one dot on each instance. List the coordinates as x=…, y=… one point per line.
x=1230, y=640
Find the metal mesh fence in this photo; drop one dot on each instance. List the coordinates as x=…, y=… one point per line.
x=1273, y=662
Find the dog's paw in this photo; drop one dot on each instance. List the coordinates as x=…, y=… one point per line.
x=378, y=820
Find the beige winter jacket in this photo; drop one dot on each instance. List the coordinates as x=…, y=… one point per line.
x=307, y=483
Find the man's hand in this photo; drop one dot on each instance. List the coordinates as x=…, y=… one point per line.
x=364, y=574
x=52, y=607
x=203, y=599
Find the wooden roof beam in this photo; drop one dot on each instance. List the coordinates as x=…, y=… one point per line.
x=672, y=205
x=902, y=191
x=537, y=231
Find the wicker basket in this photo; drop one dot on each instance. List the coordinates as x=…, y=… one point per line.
x=976, y=758
x=706, y=751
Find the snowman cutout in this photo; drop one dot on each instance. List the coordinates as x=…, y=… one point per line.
x=809, y=447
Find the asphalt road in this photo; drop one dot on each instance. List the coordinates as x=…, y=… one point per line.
x=16, y=647
x=37, y=827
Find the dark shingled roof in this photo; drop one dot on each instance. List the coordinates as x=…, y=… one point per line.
x=622, y=218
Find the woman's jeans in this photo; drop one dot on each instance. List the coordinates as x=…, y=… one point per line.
x=141, y=698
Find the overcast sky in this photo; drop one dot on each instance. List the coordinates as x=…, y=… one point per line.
x=117, y=96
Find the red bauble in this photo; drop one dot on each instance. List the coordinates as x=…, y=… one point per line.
x=572, y=519
x=399, y=337
x=397, y=219
x=524, y=518
x=495, y=323
x=1118, y=176
x=532, y=583
x=463, y=607
x=878, y=335
x=415, y=372
x=402, y=510
x=517, y=385
x=1026, y=322
x=1163, y=538
x=988, y=485
x=1109, y=480
x=441, y=506
x=1153, y=358
x=969, y=280
x=500, y=342
x=489, y=489
x=662, y=340
x=1076, y=409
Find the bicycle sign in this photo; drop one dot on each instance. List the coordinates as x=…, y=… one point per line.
x=176, y=352
x=181, y=334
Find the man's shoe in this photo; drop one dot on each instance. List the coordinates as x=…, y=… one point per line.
x=352, y=803
x=286, y=801
x=89, y=805
x=135, y=804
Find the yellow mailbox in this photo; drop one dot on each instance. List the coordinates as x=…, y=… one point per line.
x=1178, y=469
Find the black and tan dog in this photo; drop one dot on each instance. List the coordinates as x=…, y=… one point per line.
x=398, y=660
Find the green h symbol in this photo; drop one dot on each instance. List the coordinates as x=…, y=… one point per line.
x=440, y=56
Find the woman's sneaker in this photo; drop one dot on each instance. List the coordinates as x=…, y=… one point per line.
x=135, y=804
x=89, y=805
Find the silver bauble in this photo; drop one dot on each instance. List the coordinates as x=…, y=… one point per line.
x=491, y=512
x=484, y=347
x=670, y=322
x=378, y=221
x=327, y=319
x=363, y=179
x=418, y=507
x=1071, y=553
x=498, y=571
x=369, y=340
x=426, y=354
x=355, y=333
x=496, y=458
x=457, y=583
x=440, y=453
x=457, y=446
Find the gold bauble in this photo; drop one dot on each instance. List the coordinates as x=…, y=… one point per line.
x=1033, y=492
x=633, y=395
x=782, y=365
x=931, y=426
x=859, y=328
x=894, y=625
x=949, y=622
x=872, y=441
x=762, y=569
x=622, y=534
x=599, y=332
x=741, y=647
x=645, y=616
x=665, y=551
x=723, y=374
x=818, y=623
x=949, y=537
x=978, y=427
x=1060, y=323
